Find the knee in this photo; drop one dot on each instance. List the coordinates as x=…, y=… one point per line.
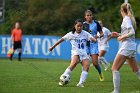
x=86, y=67
x=95, y=63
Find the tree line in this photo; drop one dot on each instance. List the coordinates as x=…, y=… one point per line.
x=56, y=17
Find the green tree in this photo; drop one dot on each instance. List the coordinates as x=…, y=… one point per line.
x=56, y=17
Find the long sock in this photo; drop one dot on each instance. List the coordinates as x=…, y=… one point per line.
x=98, y=68
x=83, y=77
x=19, y=56
x=99, y=60
x=67, y=71
x=116, y=81
x=11, y=57
x=138, y=74
x=104, y=60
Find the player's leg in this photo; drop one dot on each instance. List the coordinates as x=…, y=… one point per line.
x=11, y=57
x=132, y=63
x=118, y=62
x=72, y=65
x=20, y=50
x=97, y=66
x=85, y=65
x=19, y=54
x=14, y=48
x=94, y=56
x=101, y=59
x=74, y=62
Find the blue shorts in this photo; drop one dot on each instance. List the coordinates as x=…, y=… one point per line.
x=93, y=49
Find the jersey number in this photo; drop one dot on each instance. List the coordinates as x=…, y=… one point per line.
x=81, y=46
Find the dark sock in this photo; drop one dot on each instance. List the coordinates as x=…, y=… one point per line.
x=98, y=69
x=11, y=57
x=19, y=57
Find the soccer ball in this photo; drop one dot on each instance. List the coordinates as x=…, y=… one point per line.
x=64, y=79
x=10, y=51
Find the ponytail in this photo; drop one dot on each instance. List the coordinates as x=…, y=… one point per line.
x=131, y=15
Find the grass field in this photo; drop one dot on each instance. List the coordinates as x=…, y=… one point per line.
x=41, y=76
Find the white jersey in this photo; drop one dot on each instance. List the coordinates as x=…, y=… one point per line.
x=106, y=33
x=78, y=42
x=128, y=43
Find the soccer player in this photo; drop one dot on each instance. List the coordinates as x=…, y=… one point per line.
x=78, y=39
x=103, y=45
x=127, y=50
x=93, y=27
x=16, y=37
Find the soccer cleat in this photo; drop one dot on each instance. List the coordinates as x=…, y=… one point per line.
x=107, y=66
x=115, y=91
x=11, y=58
x=80, y=85
x=101, y=77
x=60, y=84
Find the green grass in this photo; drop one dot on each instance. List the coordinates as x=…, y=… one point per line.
x=41, y=76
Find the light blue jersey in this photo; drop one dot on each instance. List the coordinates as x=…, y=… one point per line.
x=92, y=28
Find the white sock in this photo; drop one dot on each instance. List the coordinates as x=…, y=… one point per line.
x=104, y=60
x=138, y=74
x=116, y=81
x=67, y=71
x=83, y=77
x=99, y=60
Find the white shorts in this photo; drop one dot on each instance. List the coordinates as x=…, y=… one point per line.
x=103, y=47
x=82, y=55
x=127, y=53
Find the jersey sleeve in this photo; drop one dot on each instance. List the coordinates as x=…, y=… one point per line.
x=128, y=22
x=89, y=36
x=66, y=37
x=108, y=32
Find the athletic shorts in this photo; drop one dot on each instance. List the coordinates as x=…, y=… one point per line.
x=82, y=55
x=127, y=53
x=17, y=44
x=92, y=50
x=103, y=47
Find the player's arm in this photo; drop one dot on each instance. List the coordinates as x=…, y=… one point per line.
x=108, y=38
x=57, y=43
x=115, y=34
x=129, y=34
x=91, y=38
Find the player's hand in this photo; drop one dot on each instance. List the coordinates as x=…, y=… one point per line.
x=94, y=40
x=114, y=34
x=95, y=36
x=121, y=38
x=51, y=48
